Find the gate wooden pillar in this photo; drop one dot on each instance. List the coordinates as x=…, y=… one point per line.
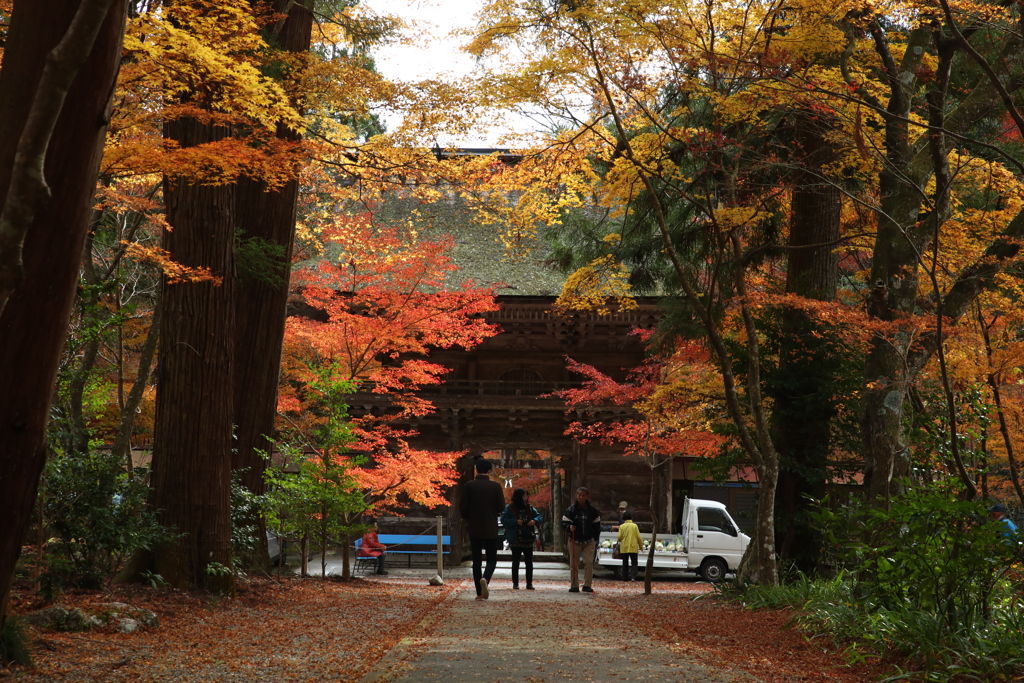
x=557, y=499
x=576, y=471
x=661, y=493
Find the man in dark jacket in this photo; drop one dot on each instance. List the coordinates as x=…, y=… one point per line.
x=583, y=523
x=482, y=501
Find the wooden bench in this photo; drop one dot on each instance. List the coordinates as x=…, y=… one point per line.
x=403, y=544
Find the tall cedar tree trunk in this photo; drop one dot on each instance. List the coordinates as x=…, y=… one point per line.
x=269, y=215
x=34, y=322
x=804, y=403
x=192, y=432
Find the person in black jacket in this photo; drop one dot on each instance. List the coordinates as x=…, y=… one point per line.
x=521, y=521
x=583, y=523
x=482, y=501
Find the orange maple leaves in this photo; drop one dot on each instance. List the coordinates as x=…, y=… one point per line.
x=382, y=302
x=373, y=309
x=671, y=396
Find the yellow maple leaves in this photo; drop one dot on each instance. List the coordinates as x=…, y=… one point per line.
x=591, y=287
x=203, y=60
x=204, y=51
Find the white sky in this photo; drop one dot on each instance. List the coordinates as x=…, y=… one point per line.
x=425, y=58
x=432, y=51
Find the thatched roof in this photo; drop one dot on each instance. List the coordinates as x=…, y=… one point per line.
x=479, y=253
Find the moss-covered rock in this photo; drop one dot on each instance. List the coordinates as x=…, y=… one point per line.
x=118, y=615
x=61, y=618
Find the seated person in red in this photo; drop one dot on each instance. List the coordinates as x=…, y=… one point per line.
x=371, y=547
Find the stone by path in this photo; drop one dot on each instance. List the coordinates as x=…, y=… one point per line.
x=543, y=636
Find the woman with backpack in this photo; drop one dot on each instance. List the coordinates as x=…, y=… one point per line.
x=521, y=521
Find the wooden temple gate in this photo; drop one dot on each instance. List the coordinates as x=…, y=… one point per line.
x=495, y=399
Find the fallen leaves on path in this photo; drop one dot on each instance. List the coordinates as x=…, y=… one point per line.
x=288, y=630
x=716, y=633
x=293, y=630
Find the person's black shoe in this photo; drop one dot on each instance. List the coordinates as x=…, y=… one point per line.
x=529, y=586
x=574, y=590
x=382, y=573
x=588, y=589
x=515, y=586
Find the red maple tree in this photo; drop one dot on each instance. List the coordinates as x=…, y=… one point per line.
x=376, y=304
x=672, y=397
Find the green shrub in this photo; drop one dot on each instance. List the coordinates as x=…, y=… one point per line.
x=929, y=582
x=929, y=551
x=95, y=515
x=929, y=649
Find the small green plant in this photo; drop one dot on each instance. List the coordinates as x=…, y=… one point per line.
x=51, y=580
x=318, y=502
x=246, y=522
x=323, y=500
x=796, y=594
x=14, y=642
x=216, y=569
x=153, y=580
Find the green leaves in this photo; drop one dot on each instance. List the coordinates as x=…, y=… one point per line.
x=929, y=550
x=926, y=585
x=320, y=501
x=95, y=515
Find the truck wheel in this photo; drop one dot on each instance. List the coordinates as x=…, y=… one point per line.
x=617, y=573
x=713, y=569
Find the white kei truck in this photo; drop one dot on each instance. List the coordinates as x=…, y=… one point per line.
x=710, y=544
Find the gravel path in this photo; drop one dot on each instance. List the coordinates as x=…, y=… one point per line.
x=544, y=635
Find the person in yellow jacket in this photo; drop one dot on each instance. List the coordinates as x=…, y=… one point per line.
x=629, y=546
